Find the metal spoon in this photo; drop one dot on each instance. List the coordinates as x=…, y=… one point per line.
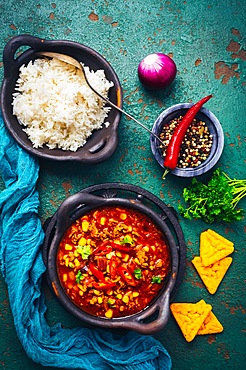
x=67, y=59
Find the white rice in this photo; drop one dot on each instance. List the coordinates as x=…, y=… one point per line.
x=56, y=107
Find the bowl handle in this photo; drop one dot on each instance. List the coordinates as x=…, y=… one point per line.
x=67, y=210
x=13, y=45
x=103, y=149
x=138, y=325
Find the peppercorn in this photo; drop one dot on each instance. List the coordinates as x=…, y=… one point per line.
x=196, y=145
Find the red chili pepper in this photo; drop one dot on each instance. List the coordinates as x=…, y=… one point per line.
x=126, y=276
x=132, y=265
x=173, y=148
x=104, y=247
x=103, y=286
x=113, y=264
x=122, y=248
x=97, y=273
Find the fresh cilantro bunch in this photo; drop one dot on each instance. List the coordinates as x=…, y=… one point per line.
x=215, y=201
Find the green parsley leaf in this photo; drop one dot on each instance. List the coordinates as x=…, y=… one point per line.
x=84, y=251
x=156, y=279
x=79, y=277
x=138, y=273
x=127, y=240
x=216, y=200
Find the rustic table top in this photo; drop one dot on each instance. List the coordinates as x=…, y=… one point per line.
x=207, y=41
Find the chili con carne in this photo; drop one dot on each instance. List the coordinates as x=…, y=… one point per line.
x=125, y=251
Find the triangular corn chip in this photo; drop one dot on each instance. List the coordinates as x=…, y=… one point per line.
x=210, y=325
x=190, y=317
x=214, y=247
x=212, y=275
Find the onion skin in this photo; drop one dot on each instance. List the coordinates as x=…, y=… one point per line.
x=157, y=71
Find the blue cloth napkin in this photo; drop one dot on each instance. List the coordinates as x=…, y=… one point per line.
x=21, y=237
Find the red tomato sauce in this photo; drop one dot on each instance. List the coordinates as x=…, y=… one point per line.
x=112, y=262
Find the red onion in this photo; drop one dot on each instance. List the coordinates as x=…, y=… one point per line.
x=157, y=71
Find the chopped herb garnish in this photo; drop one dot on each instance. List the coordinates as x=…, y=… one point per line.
x=127, y=240
x=138, y=273
x=215, y=201
x=84, y=251
x=79, y=277
x=156, y=279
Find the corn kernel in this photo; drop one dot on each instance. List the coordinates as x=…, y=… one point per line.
x=146, y=248
x=126, y=258
x=119, y=296
x=99, y=300
x=81, y=293
x=118, y=254
x=85, y=226
x=82, y=241
x=64, y=278
x=123, y=216
x=76, y=262
x=68, y=247
x=102, y=220
x=109, y=255
x=135, y=294
x=71, y=265
x=96, y=291
x=67, y=261
x=111, y=301
x=93, y=300
x=125, y=299
x=109, y=313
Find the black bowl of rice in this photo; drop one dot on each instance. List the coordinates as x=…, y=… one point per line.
x=48, y=109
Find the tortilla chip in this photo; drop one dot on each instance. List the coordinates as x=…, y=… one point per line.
x=210, y=325
x=214, y=247
x=212, y=275
x=190, y=316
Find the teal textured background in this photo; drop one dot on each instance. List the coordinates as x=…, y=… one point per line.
x=206, y=39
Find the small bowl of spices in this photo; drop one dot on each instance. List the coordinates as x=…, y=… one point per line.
x=201, y=146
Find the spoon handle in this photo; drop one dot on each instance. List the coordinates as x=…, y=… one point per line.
x=118, y=108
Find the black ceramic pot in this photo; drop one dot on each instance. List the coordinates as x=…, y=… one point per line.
x=152, y=318
x=102, y=144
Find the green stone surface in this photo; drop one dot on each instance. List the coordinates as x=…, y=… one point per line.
x=206, y=39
